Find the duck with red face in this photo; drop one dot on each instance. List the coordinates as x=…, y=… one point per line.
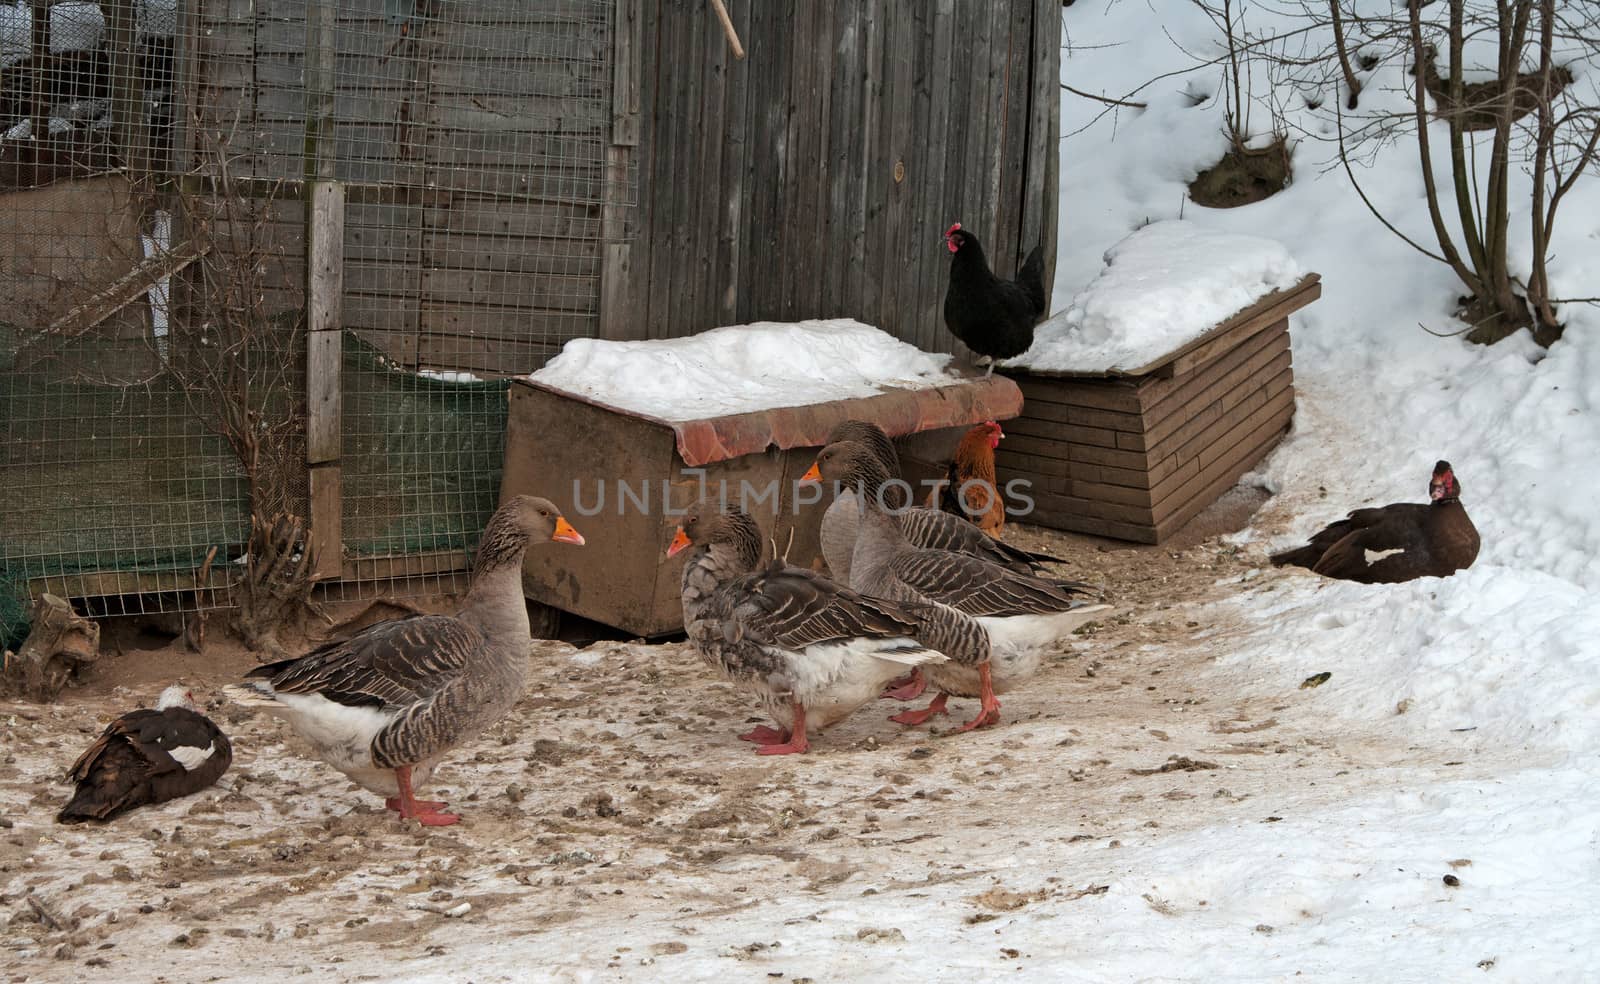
x=1398, y=542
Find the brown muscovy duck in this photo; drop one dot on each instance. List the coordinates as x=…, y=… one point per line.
x=147, y=756
x=1398, y=542
x=971, y=490
x=992, y=317
x=812, y=651
x=385, y=705
x=923, y=527
x=992, y=622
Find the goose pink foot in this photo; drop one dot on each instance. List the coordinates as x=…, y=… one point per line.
x=393, y=803
x=426, y=812
x=763, y=735
x=914, y=718
x=908, y=687
x=989, y=706
x=796, y=743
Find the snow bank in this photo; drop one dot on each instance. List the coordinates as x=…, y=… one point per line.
x=1162, y=287
x=1506, y=654
x=1501, y=658
x=742, y=368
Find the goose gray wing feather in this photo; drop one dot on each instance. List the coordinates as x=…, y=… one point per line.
x=933, y=529
x=976, y=587
x=794, y=608
x=391, y=664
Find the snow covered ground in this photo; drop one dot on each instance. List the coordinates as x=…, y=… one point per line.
x=1505, y=656
x=1431, y=811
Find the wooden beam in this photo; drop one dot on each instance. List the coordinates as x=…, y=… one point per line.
x=324, y=362
x=406, y=565
x=127, y=289
x=127, y=90
x=325, y=214
x=327, y=521
x=324, y=321
x=616, y=257
x=185, y=85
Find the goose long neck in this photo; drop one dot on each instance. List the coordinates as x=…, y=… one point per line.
x=494, y=602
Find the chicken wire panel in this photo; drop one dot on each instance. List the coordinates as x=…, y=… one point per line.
x=471, y=139
x=152, y=156
x=120, y=492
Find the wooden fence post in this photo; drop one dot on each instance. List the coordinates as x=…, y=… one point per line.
x=324, y=296
x=616, y=253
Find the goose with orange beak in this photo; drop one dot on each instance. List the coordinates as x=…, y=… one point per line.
x=385, y=705
x=810, y=650
x=993, y=622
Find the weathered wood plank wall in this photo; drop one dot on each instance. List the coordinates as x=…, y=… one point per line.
x=816, y=177
x=474, y=148
x=812, y=179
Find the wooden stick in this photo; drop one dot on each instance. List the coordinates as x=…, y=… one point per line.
x=727, y=28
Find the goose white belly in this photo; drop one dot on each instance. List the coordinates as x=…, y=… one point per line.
x=341, y=735
x=833, y=680
x=1017, y=645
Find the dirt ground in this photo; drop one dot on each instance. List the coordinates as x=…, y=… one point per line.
x=615, y=820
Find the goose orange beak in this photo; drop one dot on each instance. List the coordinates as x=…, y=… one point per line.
x=813, y=474
x=565, y=533
x=680, y=540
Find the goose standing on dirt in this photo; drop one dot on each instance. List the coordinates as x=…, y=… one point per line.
x=385, y=705
x=147, y=756
x=1398, y=542
x=1019, y=614
x=923, y=527
x=812, y=650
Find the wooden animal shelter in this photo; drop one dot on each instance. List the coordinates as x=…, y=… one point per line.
x=581, y=453
x=1135, y=455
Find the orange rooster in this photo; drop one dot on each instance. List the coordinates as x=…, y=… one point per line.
x=971, y=491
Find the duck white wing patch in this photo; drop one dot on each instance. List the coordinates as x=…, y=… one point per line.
x=191, y=757
x=1373, y=556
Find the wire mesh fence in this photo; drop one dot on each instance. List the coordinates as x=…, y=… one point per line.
x=156, y=160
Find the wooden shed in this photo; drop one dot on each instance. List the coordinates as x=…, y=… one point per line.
x=815, y=177
x=1134, y=455
x=623, y=479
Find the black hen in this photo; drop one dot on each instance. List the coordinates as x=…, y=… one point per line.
x=992, y=317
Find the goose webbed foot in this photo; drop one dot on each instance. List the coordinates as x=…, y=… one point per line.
x=989, y=704
x=796, y=743
x=393, y=803
x=908, y=687
x=914, y=718
x=425, y=812
x=763, y=735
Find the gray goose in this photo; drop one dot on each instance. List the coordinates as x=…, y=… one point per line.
x=923, y=527
x=1398, y=542
x=385, y=705
x=1019, y=614
x=147, y=756
x=812, y=651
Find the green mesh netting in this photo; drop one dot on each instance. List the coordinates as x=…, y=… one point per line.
x=108, y=476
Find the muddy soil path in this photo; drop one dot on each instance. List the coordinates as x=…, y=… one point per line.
x=614, y=826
